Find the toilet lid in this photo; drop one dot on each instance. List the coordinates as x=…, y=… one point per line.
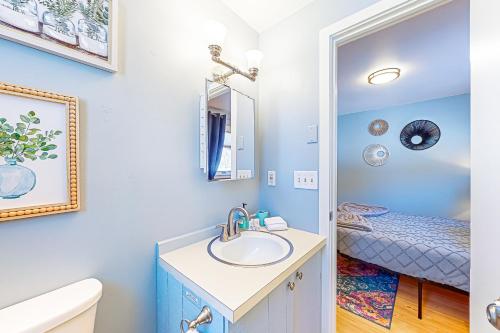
x=45, y=312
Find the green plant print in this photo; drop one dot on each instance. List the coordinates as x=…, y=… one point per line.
x=17, y=4
x=25, y=141
x=94, y=10
x=63, y=9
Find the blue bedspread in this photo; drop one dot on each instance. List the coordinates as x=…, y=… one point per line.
x=433, y=248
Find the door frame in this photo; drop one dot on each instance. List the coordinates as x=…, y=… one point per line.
x=367, y=21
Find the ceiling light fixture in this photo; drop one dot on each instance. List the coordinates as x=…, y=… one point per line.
x=385, y=75
x=216, y=33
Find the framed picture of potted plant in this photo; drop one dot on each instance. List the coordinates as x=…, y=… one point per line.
x=39, y=163
x=81, y=30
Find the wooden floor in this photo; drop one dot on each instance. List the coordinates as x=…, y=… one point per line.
x=445, y=311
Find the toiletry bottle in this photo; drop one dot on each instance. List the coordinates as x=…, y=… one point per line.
x=243, y=222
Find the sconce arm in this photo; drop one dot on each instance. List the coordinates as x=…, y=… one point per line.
x=252, y=76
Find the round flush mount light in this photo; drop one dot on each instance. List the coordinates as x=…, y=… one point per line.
x=385, y=75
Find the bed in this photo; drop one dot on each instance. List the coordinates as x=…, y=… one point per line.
x=428, y=248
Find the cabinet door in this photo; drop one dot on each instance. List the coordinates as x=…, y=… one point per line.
x=306, y=300
x=278, y=308
x=255, y=321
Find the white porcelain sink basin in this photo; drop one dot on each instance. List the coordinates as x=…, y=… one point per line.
x=252, y=249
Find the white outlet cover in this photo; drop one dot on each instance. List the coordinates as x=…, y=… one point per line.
x=271, y=178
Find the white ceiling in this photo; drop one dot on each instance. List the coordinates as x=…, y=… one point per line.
x=431, y=49
x=263, y=14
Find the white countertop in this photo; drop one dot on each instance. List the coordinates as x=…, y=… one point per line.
x=233, y=291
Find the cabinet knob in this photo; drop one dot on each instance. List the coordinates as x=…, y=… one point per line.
x=299, y=275
x=291, y=286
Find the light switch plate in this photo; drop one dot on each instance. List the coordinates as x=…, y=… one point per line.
x=240, y=142
x=271, y=178
x=306, y=180
x=244, y=174
x=312, y=134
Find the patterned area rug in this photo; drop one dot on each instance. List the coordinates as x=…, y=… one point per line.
x=366, y=290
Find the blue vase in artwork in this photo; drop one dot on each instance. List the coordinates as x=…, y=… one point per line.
x=15, y=180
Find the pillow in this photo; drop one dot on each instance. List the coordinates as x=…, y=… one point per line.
x=363, y=210
x=346, y=219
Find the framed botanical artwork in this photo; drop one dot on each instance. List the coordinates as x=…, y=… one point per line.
x=81, y=30
x=39, y=170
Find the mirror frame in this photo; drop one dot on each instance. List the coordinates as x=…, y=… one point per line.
x=204, y=132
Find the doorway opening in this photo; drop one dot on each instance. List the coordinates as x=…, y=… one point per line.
x=401, y=171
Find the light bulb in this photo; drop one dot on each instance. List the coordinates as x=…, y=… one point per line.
x=254, y=58
x=216, y=33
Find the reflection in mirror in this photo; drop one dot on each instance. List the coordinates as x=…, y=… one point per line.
x=219, y=131
x=245, y=137
x=227, y=133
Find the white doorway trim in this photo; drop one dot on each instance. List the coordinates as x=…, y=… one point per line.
x=376, y=17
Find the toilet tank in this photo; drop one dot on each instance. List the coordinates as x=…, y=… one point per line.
x=67, y=310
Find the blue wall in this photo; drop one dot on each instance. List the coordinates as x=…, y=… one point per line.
x=289, y=102
x=432, y=182
x=141, y=180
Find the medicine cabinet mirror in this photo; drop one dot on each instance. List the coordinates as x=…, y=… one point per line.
x=227, y=133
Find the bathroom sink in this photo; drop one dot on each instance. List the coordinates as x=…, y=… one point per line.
x=252, y=249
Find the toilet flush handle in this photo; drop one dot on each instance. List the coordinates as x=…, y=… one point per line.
x=205, y=317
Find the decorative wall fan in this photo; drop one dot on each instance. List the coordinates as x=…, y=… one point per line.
x=376, y=155
x=420, y=135
x=378, y=127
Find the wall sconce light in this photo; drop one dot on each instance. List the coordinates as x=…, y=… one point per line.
x=383, y=76
x=216, y=33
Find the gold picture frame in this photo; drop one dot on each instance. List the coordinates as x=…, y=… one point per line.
x=69, y=186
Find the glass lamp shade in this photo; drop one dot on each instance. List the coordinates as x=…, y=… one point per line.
x=215, y=32
x=384, y=76
x=254, y=58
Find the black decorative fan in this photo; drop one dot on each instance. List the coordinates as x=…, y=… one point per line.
x=420, y=135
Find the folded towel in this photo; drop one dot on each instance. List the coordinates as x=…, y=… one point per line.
x=347, y=219
x=277, y=227
x=274, y=220
x=276, y=223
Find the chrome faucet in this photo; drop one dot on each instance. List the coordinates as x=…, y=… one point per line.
x=231, y=230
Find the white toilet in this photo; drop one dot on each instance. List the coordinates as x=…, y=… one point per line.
x=70, y=309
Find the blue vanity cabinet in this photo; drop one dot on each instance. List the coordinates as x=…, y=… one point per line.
x=293, y=307
x=176, y=302
x=191, y=308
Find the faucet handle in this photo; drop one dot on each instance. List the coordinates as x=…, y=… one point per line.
x=224, y=235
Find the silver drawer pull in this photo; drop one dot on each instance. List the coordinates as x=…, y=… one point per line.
x=493, y=314
x=291, y=286
x=205, y=317
x=299, y=275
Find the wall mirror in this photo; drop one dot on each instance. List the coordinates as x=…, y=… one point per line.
x=227, y=133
